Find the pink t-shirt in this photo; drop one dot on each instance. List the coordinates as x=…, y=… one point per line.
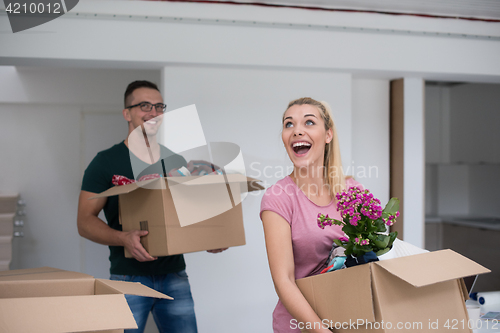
x=311, y=244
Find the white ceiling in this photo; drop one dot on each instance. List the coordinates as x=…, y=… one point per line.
x=481, y=9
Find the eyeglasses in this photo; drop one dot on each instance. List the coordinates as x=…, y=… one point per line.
x=147, y=107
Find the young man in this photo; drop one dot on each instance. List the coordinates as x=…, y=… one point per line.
x=143, y=107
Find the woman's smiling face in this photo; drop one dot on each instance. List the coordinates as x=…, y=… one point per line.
x=304, y=135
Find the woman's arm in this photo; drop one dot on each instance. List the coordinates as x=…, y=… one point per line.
x=280, y=254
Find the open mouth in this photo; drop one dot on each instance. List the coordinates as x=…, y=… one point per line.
x=301, y=148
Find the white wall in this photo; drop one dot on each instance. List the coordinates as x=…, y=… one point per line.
x=92, y=89
x=370, y=136
x=106, y=33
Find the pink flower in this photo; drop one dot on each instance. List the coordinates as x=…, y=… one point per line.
x=354, y=219
x=359, y=210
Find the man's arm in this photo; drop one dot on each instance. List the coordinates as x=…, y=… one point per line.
x=93, y=228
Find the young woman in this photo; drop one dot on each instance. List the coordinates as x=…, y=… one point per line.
x=296, y=246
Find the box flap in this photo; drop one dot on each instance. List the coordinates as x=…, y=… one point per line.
x=65, y=314
x=252, y=183
x=347, y=303
x=432, y=267
x=154, y=184
x=41, y=273
x=131, y=288
x=46, y=288
x=158, y=184
x=397, y=301
x=203, y=180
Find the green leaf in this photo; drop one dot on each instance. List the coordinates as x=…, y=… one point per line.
x=336, y=222
x=348, y=249
x=380, y=225
x=338, y=242
x=359, y=250
x=383, y=251
x=371, y=229
x=349, y=229
x=392, y=237
x=392, y=206
x=381, y=241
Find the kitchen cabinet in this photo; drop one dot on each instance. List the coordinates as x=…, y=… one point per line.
x=475, y=238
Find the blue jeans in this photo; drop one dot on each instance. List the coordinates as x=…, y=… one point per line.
x=171, y=316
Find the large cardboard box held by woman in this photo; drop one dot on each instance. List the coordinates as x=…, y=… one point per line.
x=419, y=293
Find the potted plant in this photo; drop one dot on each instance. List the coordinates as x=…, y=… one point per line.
x=364, y=224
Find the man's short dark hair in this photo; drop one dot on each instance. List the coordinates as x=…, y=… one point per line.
x=136, y=85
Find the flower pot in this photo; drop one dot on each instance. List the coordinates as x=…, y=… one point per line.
x=391, y=254
x=364, y=259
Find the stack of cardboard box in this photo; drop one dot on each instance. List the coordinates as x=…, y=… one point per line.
x=8, y=208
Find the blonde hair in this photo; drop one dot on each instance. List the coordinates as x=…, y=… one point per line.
x=333, y=173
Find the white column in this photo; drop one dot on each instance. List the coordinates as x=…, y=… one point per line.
x=414, y=161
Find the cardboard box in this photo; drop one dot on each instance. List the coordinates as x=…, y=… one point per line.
x=56, y=301
x=419, y=293
x=8, y=203
x=7, y=224
x=6, y=248
x=185, y=214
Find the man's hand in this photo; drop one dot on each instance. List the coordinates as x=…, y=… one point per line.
x=217, y=250
x=132, y=242
x=93, y=228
